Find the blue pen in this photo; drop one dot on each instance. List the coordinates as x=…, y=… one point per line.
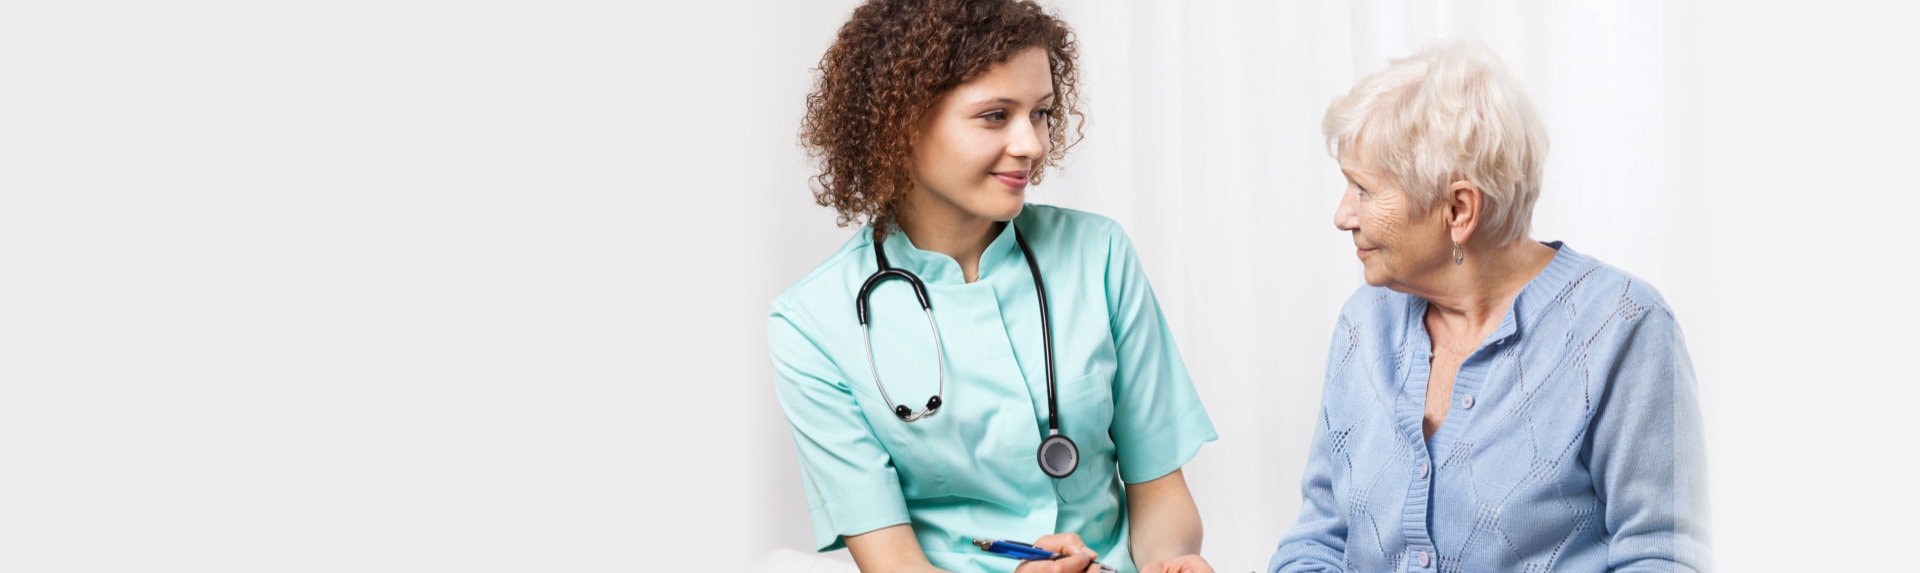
x=1022, y=551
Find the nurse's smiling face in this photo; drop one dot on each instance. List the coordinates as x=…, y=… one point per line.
x=1398, y=245
x=981, y=142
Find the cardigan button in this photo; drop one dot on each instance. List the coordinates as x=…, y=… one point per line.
x=1467, y=402
x=1425, y=560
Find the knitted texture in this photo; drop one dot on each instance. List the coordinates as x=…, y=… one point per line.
x=1572, y=442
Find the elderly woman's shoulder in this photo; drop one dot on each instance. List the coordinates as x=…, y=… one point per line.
x=1604, y=298
x=1607, y=286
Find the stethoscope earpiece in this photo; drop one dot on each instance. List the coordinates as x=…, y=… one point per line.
x=905, y=413
x=1058, y=455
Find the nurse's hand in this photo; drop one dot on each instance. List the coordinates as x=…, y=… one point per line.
x=1068, y=543
x=1181, y=564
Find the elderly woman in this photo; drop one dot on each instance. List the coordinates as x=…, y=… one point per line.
x=1492, y=403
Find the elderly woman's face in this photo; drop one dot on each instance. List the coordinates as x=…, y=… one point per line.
x=1396, y=247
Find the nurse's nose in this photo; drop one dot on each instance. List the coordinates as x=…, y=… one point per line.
x=1029, y=141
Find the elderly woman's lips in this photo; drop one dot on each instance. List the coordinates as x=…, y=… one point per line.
x=1362, y=253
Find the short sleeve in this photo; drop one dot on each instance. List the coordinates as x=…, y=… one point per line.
x=849, y=478
x=1158, y=420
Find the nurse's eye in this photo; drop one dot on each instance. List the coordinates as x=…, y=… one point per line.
x=1043, y=114
x=995, y=116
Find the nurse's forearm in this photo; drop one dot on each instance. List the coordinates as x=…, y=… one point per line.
x=889, y=549
x=1164, y=520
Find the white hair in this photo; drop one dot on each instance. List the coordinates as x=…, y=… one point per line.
x=1447, y=113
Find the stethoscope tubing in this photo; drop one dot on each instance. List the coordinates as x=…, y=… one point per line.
x=866, y=335
x=1055, y=442
x=1046, y=331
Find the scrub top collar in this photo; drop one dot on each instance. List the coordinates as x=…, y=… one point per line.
x=938, y=268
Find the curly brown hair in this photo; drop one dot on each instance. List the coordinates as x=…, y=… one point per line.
x=890, y=65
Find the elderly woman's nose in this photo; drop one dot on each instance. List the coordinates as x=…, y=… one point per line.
x=1345, y=217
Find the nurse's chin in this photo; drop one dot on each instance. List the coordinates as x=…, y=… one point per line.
x=1002, y=213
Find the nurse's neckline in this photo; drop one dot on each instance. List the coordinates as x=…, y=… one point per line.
x=936, y=265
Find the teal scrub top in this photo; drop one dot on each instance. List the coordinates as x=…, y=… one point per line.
x=970, y=471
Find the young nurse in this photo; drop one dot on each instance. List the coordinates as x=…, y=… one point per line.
x=969, y=366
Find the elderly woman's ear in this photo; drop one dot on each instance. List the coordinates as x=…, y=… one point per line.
x=1462, y=210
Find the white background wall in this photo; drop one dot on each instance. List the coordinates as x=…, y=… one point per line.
x=414, y=285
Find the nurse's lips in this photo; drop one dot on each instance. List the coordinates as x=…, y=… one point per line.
x=1014, y=179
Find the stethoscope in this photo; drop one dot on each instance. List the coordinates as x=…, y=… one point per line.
x=1058, y=455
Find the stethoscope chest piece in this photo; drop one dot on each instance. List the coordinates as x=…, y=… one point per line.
x=1058, y=456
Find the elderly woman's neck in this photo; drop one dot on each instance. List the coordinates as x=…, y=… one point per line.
x=963, y=238
x=1476, y=294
